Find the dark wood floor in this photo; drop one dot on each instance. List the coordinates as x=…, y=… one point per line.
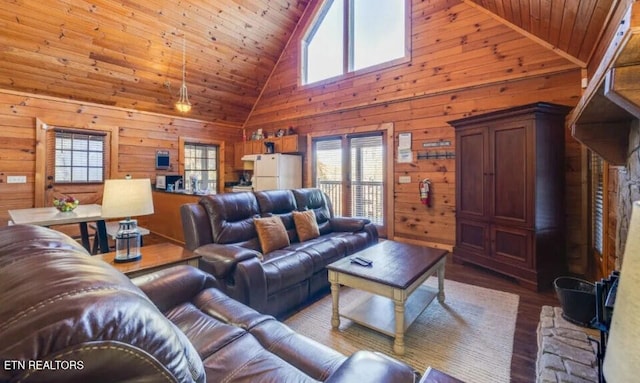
x=525, y=344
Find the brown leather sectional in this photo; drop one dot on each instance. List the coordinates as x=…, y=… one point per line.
x=68, y=317
x=221, y=230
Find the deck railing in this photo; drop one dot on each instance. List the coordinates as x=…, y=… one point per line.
x=366, y=198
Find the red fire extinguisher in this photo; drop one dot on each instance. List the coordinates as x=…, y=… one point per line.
x=425, y=196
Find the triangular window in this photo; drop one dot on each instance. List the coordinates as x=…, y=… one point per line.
x=350, y=35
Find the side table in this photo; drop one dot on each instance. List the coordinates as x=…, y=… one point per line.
x=154, y=257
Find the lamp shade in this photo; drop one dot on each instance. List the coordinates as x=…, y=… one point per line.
x=622, y=356
x=127, y=198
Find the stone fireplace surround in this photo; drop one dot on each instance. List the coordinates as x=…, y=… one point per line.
x=628, y=190
x=565, y=353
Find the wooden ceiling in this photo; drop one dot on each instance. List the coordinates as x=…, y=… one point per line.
x=572, y=26
x=128, y=53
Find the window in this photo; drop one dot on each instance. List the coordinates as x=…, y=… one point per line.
x=328, y=171
x=349, y=35
x=201, y=161
x=367, y=176
x=597, y=203
x=79, y=157
x=355, y=182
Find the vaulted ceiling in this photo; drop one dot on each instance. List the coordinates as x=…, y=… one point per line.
x=572, y=26
x=128, y=53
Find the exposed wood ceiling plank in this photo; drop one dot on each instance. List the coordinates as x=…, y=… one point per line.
x=572, y=26
x=529, y=35
x=555, y=24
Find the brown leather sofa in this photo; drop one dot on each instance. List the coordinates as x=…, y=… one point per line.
x=221, y=230
x=68, y=317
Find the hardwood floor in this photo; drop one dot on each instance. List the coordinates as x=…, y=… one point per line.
x=525, y=343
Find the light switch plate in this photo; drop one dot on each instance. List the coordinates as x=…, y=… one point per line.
x=404, y=179
x=16, y=179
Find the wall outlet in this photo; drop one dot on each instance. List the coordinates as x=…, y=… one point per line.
x=16, y=179
x=404, y=179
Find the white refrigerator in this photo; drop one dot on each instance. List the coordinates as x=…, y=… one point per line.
x=277, y=171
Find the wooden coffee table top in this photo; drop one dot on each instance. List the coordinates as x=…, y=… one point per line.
x=395, y=264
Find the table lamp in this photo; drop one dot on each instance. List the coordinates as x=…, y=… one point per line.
x=127, y=198
x=622, y=355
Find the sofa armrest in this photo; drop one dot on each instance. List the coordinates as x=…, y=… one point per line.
x=196, y=225
x=349, y=224
x=170, y=287
x=221, y=260
x=372, y=367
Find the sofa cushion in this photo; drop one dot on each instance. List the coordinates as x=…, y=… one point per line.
x=306, y=225
x=271, y=233
x=284, y=268
x=322, y=250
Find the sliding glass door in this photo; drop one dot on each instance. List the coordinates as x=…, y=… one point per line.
x=351, y=170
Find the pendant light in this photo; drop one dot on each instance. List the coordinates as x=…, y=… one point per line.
x=183, y=105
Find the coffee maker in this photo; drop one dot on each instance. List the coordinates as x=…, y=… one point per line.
x=245, y=179
x=270, y=147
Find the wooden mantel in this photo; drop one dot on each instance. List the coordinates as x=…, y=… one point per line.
x=611, y=101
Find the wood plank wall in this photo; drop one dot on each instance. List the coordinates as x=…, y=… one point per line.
x=137, y=135
x=463, y=62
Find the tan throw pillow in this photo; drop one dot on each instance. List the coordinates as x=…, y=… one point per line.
x=271, y=233
x=306, y=225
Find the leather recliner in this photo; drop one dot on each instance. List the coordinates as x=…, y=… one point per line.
x=68, y=317
x=221, y=230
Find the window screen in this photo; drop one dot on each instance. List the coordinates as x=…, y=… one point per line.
x=79, y=157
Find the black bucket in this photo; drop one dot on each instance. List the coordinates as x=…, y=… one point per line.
x=577, y=298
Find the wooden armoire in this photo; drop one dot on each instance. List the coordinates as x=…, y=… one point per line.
x=510, y=192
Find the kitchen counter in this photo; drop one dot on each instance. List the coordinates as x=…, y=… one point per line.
x=166, y=221
x=183, y=192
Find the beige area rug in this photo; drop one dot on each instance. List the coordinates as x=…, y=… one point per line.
x=469, y=336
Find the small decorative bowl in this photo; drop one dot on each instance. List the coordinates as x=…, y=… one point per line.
x=66, y=204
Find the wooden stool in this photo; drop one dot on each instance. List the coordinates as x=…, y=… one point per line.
x=112, y=231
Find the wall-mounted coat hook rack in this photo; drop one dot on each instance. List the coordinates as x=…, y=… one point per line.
x=436, y=155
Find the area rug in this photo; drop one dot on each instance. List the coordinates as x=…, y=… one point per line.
x=469, y=336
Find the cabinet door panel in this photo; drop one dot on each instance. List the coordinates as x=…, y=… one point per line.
x=511, y=175
x=471, y=170
x=512, y=246
x=257, y=147
x=290, y=144
x=472, y=235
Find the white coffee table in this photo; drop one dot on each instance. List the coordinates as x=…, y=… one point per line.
x=394, y=283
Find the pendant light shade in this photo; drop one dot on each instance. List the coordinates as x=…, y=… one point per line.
x=183, y=105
